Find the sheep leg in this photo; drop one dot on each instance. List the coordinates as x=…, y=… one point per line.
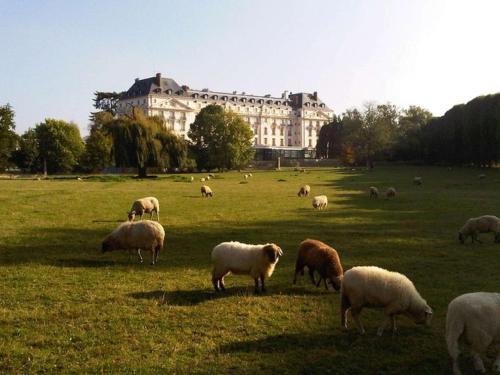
x=152, y=251
x=326, y=286
x=355, y=312
x=344, y=306
x=263, y=285
x=221, y=284
x=478, y=362
x=311, y=274
x=389, y=320
x=139, y=253
x=256, y=285
x=215, y=283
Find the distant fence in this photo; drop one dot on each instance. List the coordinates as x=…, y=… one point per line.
x=306, y=163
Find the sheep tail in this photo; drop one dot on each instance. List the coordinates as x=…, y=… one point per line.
x=454, y=329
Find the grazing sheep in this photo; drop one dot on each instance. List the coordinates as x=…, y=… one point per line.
x=481, y=176
x=211, y=175
x=206, y=191
x=139, y=235
x=202, y=179
x=148, y=205
x=481, y=224
x=191, y=179
x=250, y=175
x=320, y=202
x=377, y=287
x=417, y=181
x=207, y=178
x=318, y=256
x=246, y=177
x=390, y=193
x=238, y=258
x=304, y=191
x=373, y=192
x=474, y=318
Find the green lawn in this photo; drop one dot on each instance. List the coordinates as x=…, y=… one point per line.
x=65, y=307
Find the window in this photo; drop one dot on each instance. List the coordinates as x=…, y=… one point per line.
x=274, y=131
x=310, y=132
x=289, y=132
x=274, y=142
x=265, y=131
x=281, y=142
x=281, y=131
x=255, y=140
x=310, y=143
x=289, y=141
x=265, y=141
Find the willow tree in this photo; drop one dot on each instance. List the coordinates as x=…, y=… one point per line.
x=141, y=142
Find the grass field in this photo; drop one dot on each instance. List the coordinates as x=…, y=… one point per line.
x=65, y=307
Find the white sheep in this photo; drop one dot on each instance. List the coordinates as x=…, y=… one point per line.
x=417, y=180
x=250, y=175
x=481, y=224
x=206, y=191
x=148, y=205
x=211, y=175
x=191, y=179
x=238, y=258
x=481, y=176
x=304, y=191
x=473, y=318
x=320, y=202
x=207, y=178
x=373, y=192
x=246, y=177
x=390, y=193
x=202, y=179
x=139, y=235
x=376, y=287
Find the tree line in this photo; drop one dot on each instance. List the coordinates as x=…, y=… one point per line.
x=467, y=134
x=220, y=140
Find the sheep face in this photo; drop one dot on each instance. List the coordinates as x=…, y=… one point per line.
x=422, y=316
x=109, y=244
x=336, y=282
x=131, y=215
x=273, y=252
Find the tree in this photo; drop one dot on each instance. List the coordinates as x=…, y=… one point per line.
x=410, y=141
x=26, y=156
x=330, y=140
x=220, y=139
x=106, y=101
x=97, y=154
x=8, y=138
x=140, y=141
x=60, y=145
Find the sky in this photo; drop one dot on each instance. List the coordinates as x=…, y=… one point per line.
x=433, y=53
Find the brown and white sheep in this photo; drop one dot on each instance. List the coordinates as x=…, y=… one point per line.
x=206, y=191
x=318, y=256
x=481, y=224
x=304, y=191
x=138, y=235
x=238, y=258
x=147, y=205
x=390, y=193
x=373, y=192
x=376, y=287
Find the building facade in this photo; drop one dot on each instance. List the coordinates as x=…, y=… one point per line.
x=290, y=122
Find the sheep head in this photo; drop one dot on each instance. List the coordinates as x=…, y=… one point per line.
x=273, y=252
x=461, y=237
x=131, y=215
x=109, y=243
x=422, y=315
x=336, y=282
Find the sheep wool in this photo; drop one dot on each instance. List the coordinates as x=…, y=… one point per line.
x=238, y=258
x=417, y=180
x=481, y=224
x=318, y=256
x=390, y=193
x=320, y=202
x=473, y=318
x=304, y=191
x=148, y=205
x=376, y=287
x=138, y=235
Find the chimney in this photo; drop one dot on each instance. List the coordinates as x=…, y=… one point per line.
x=137, y=79
x=315, y=95
x=285, y=95
x=158, y=79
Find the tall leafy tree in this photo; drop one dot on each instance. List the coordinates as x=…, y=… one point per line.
x=330, y=140
x=59, y=145
x=106, y=101
x=8, y=138
x=221, y=139
x=410, y=143
x=26, y=156
x=98, y=144
x=141, y=142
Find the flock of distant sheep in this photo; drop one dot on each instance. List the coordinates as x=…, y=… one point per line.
x=473, y=318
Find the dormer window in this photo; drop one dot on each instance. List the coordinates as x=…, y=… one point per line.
x=169, y=91
x=205, y=96
x=234, y=98
x=215, y=97
x=277, y=102
x=261, y=101
x=252, y=100
x=315, y=105
x=322, y=105
x=224, y=98
x=195, y=95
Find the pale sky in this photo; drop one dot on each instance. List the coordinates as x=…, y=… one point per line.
x=435, y=54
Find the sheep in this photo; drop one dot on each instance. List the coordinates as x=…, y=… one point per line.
x=376, y=287
x=481, y=224
x=207, y=178
x=202, y=179
x=320, y=202
x=474, y=317
x=417, y=181
x=246, y=177
x=206, y=191
x=139, y=235
x=390, y=193
x=238, y=258
x=481, y=176
x=318, y=256
x=250, y=175
x=304, y=191
x=211, y=175
x=148, y=205
x=373, y=192
x=191, y=179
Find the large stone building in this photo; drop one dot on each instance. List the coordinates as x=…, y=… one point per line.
x=289, y=124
